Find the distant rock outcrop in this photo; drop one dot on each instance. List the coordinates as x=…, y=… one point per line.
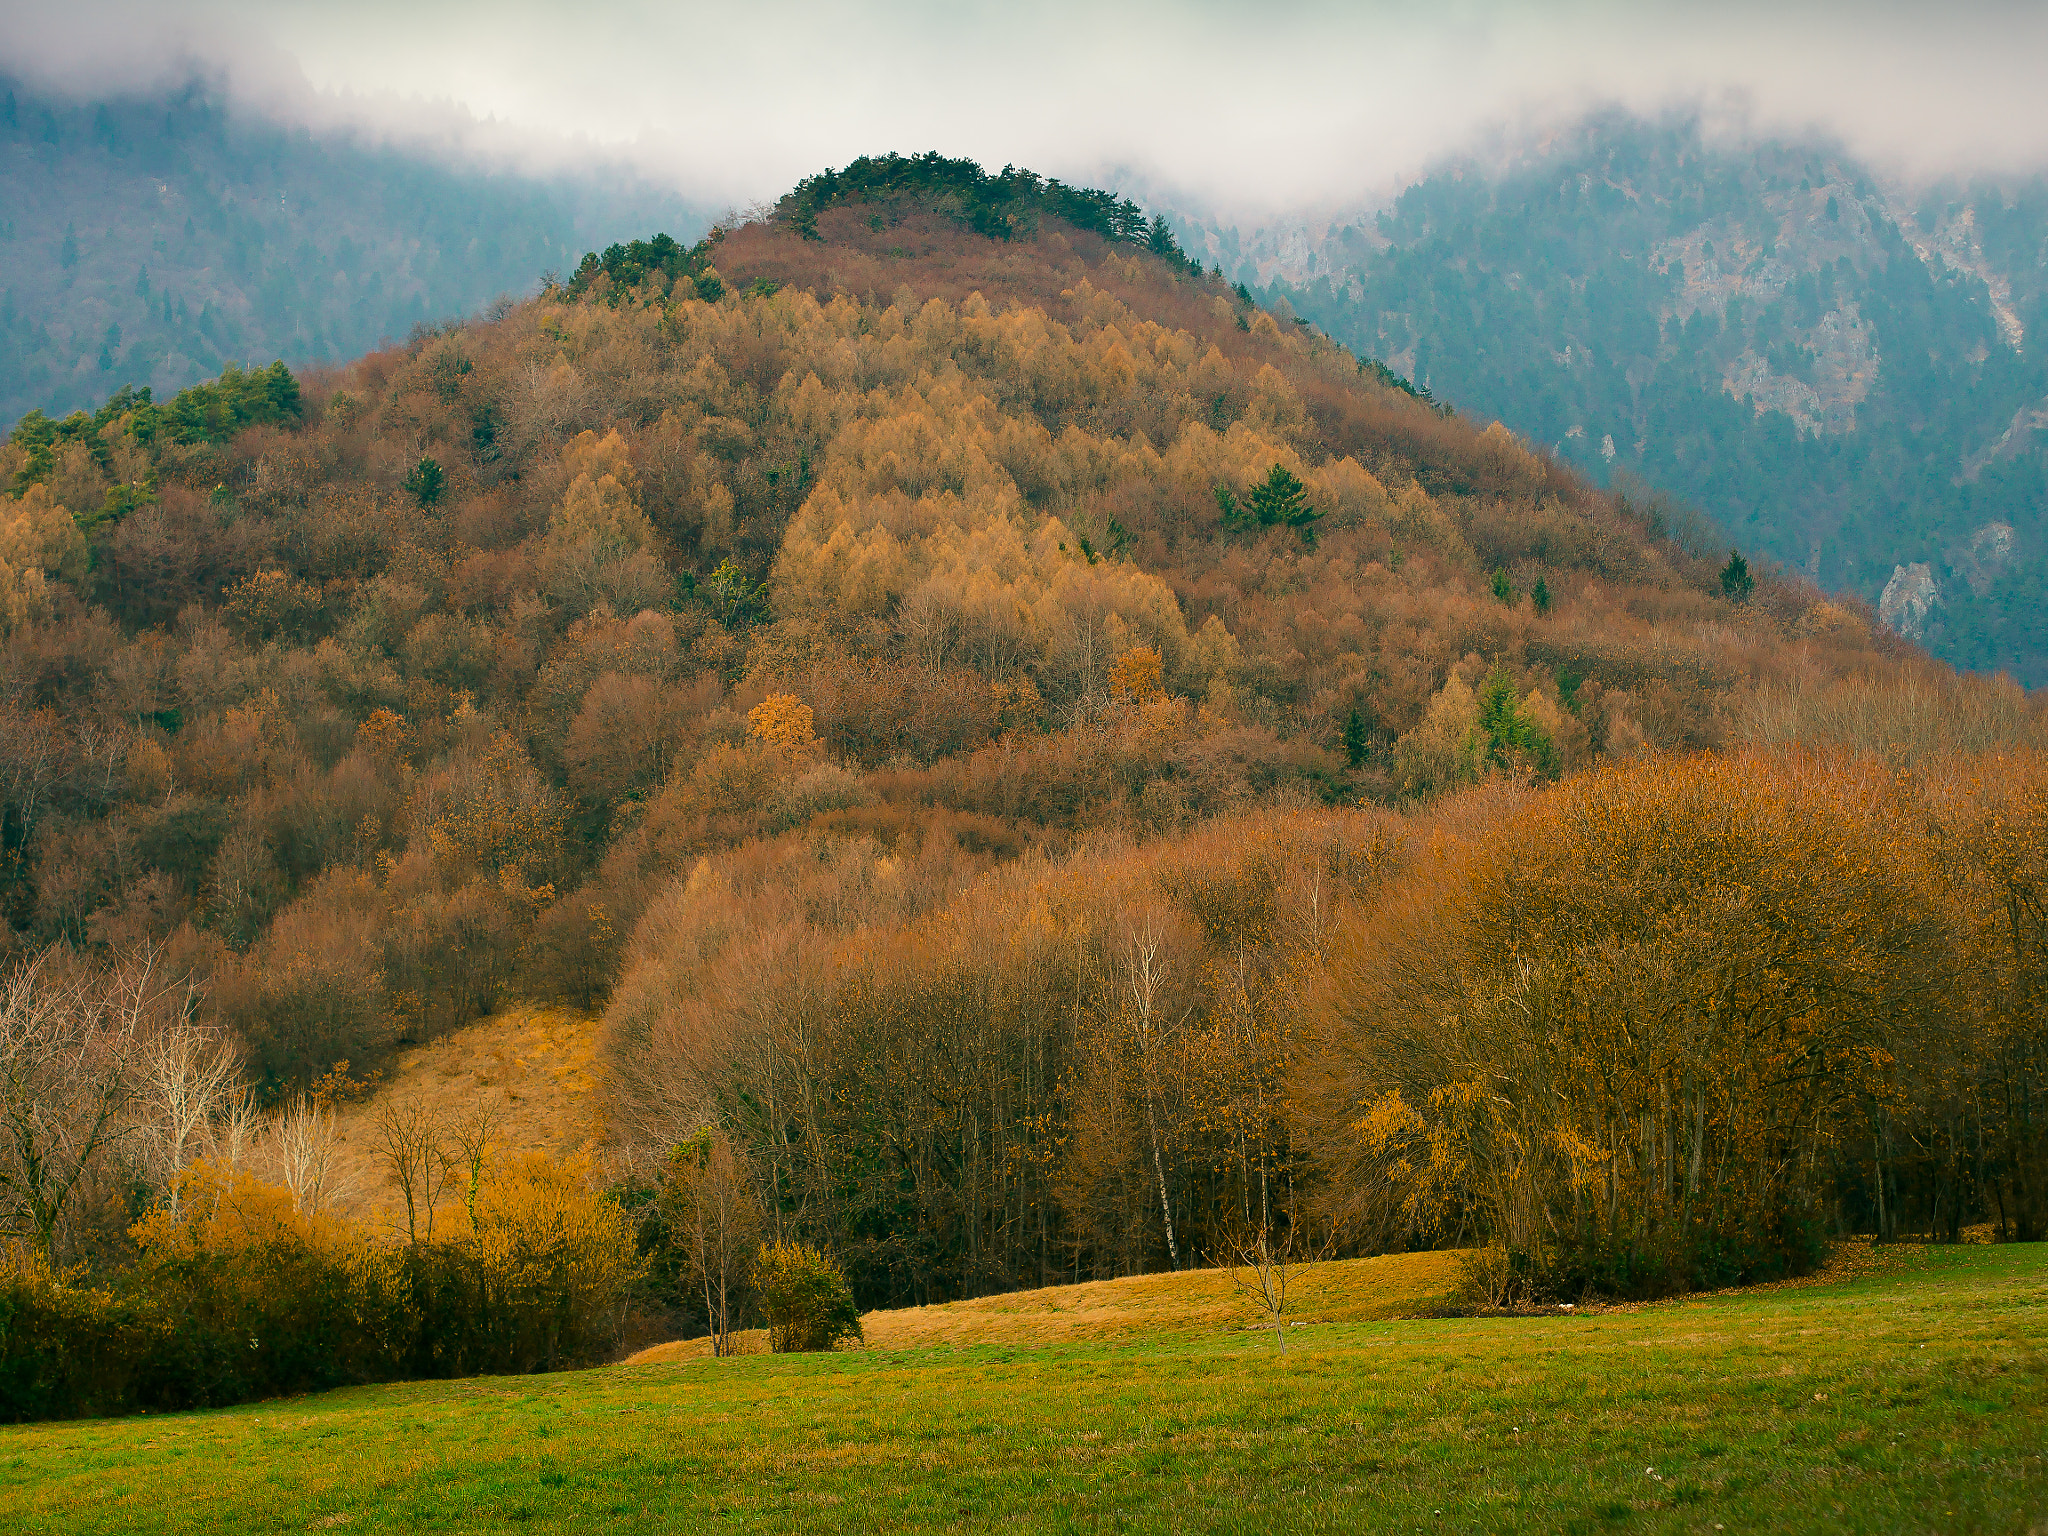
x=1908, y=598
x=1988, y=553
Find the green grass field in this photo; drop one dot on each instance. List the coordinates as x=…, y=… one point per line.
x=1913, y=1397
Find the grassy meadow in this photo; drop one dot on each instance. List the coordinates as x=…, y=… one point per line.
x=1906, y=1391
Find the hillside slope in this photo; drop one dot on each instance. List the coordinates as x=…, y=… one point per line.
x=838, y=651
x=1138, y=1308
x=1842, y=373
x=929, y=484
x=532, y=1072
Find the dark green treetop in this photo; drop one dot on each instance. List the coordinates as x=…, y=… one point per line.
x=1515, y=738
x=1736, y=582
x=426, y=482
x=1278, y=500
x=1354, y=739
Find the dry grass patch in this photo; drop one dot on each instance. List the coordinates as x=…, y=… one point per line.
x=535, y=1068
x=1203, y=1301
x=1140, y=1306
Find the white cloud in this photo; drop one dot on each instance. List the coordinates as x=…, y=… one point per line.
x=1244, y=108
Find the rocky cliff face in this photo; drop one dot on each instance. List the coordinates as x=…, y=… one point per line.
x=1908, y=598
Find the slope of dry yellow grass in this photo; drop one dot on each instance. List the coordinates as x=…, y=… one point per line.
x=534, y=1068
x=1192, y=1301
x=1201, y=1301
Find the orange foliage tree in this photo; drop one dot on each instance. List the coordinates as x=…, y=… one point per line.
x=959, y=1084
x=1624, y=1032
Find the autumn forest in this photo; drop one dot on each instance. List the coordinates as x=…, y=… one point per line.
x=1045, y=769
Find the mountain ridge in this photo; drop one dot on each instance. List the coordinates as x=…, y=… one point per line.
x=1859, y=398
x=927, y=485
x=151, y=238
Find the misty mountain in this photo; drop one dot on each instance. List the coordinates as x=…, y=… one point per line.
x=151, y=240
x=1850, y=378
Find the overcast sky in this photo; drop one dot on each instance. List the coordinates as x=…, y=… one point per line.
x=1243, y=108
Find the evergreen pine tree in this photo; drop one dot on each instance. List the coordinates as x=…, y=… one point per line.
x=1159, y=238
x=1736, y=582
x=425, y=482
x=1354, y=739
x=1540, y=595
x=1281, y=498
x=1515, y=739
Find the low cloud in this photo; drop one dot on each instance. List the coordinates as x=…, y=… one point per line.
x=1242, y=110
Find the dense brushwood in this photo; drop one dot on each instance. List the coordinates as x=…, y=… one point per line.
x=238, y=1291
x=1675, y=1022
x=883, y=574
x=1669, y=1024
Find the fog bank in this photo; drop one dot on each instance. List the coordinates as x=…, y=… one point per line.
x=1235, y=110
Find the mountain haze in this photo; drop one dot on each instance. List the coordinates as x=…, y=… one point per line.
x=1848, y=376
x=147, y=240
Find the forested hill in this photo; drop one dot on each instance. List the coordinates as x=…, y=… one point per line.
x=835, y=650
x=1848, y=377
x=151, y=239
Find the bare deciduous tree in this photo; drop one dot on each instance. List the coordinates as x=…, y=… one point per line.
x=1263, y=1267
x=1145, y=978
x=472, y=1138
x=300, y=1146
x=714, y=1211
x=237, y=1130
x=187, y=1082
x=409, y=1138
x=69, y=1048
